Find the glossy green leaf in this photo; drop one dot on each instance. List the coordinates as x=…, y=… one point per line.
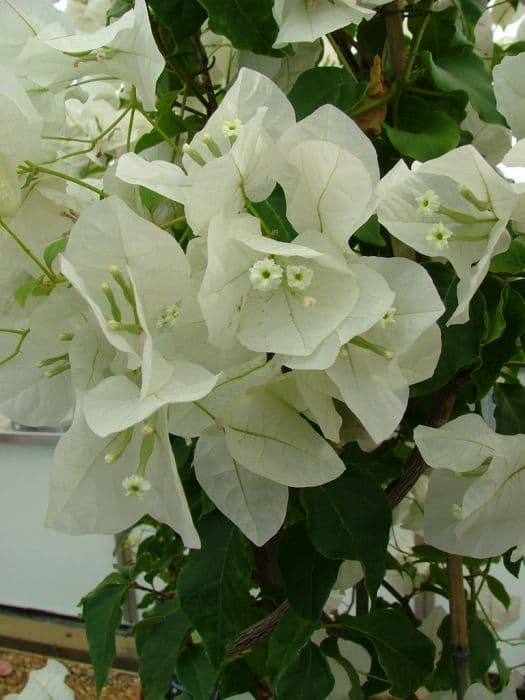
x=405, y=654
x=509, y=412
x=423, y=132
x=369, y=233
x=308, y=677
x=102, y=612
x=179, y=17
x=159, y=639
x=466, y=73
x=248, y=24
x=214, y=586
x=53, y=249
x=482, y=652
x=325, y=85
x=499, y=591
x=349, y=518
x=196, y=673
x=308, y=575
x=273, y=212
x=512, y=260
x=289, y=637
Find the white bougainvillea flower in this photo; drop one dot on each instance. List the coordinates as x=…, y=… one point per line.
x=307, y=20
x=92, y=481
x=136, y=279
x=160, y=176
x=491, y=140
x=47, y=682
x=283, y=70
x=266, y=314
x=250, y=92
x=255, y=504
x=464, y=220
x=373, y=371
x=509, y=88
x=124, y=49
x=252, y=445
x=20, y=22
x=35, y=385
x=234, y=181
x=474, y=505
x=328, y=170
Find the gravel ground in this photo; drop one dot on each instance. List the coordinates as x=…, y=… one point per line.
x=121, y=685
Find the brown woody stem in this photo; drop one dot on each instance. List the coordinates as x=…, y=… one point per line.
x=458, y=624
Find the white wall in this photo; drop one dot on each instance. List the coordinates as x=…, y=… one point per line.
x=40, y=568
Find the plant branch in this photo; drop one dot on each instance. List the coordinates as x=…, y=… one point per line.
x=259, y=631
x=341, y=46
x=458, y=624
x=442, y=408
x=396, y=39
x=211, y=105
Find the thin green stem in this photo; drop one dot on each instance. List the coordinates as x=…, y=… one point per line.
x=48, y=273
x=405, y=77
x=160, y=131
x=33, y=168
x=367, y=105
x=23, y=333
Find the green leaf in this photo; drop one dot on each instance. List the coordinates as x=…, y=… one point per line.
x=465, y=73
x=180, y=18
x=151, y=200
x=330, y=647
x=498, y=590
x=424, y=133
x=118, y=8
x=196, y=673
x=288, y=638
x=482, y=652
x=308, y=677
x=102, y=612
x=26, y=289
x=512, y=260
x=214, y=586
x=509, y=412
x=470, y=12
x=325, y=85
x=513, y=567
x=54, y=249
x=248, y=24
x=273, y=212
x=308, y=576
x=405, y=654
x=158, y=639
x=369, y=233
x=349, y=518
x=496, y=296
x=444, y=34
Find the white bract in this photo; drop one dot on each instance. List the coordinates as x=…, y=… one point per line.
x=125, y=49
x=509, y=87
x=456, y=207
x=307, y=20
x=246, y=295
x=474, y=501
x=328, y=170
x=45, y=683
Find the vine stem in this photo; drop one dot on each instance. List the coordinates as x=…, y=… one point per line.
x=458, y=624
x=33, y=168
x=22, y=245
x=396, y=39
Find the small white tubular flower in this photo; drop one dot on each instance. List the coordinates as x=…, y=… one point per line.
x=439, y=235
x=309, y=302
x=428, y=203
x=231, y=128
x=168, y=317
x=389, y=318
x=136, y=485
x=299, y=277
x=266, y=275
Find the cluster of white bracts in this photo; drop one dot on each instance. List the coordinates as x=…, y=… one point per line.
x=244, y=338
